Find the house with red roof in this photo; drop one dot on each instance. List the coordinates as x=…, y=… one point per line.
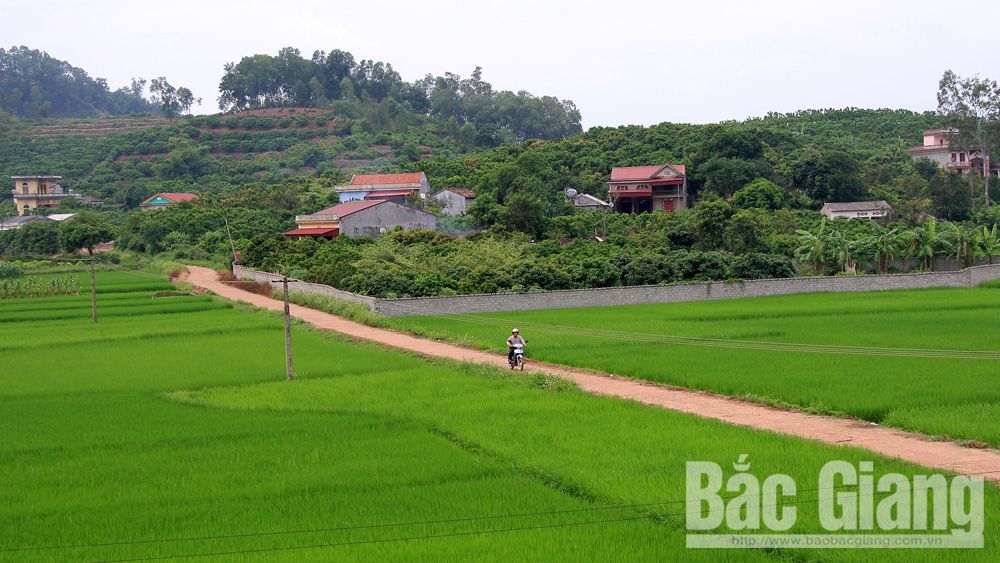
x=165, y=199
x=391, y=187
x=637, y=189
x=361, y=218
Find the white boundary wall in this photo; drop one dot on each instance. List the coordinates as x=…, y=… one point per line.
x=638, y=295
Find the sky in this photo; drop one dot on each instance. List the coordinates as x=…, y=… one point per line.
x=621, y=62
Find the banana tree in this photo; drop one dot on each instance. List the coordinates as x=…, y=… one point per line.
x=964, y=243
x=990, y=243
x=812, y=246
x=840, y=250
x=925, y=242
x=885, y=243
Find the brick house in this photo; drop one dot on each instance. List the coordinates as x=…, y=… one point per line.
x=636, y=189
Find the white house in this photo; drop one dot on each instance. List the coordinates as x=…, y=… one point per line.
x=857, y=210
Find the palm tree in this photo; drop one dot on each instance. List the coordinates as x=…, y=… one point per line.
x=990, y=243
x=925, y=243
x=812, y=246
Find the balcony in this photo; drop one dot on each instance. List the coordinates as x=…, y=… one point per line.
x=317, y=218
x=56, y=195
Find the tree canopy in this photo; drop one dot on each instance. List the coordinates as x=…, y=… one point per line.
x=492, y=117
x=35, y=84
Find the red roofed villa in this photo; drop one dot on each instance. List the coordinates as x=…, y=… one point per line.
x=361, y=218
x=161, y=200
x=636, y=189
x=391, y=187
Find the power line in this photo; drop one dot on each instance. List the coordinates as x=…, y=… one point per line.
x=431, y=522
x=448, y=534
x=370, y=542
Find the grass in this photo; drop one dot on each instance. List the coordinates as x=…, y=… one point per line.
x=149, y=426
x=901, y=390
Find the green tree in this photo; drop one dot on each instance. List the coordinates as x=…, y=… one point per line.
x=761, y=193
x=749, y=230
x=85, y=230
x=171, y=101
x=925, y=242
x=972, y=106
x=812, y=246
x=185, y=160
x=826, y=174
x=885, y=245
x=990, y=242
x=964, y=242
x=709, y=218
x=950, y=195
x=40, y=237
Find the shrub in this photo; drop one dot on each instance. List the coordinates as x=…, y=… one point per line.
x=9, y=271
x=758, y=265
x=704, y=266
x=648, y=269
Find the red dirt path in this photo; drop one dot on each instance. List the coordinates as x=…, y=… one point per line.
x=908, y=446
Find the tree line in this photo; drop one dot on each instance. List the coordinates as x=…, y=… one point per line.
x=35, y=84
x=489, y=117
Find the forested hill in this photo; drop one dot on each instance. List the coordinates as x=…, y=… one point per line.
x=34, y=84
x=477, y=113
x=837, y=152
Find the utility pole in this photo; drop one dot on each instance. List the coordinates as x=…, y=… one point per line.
x=93, y=292
x=289, y=373
x=231, y=245
x=986, y=175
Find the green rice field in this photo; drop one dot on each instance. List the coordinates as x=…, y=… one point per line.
x=175, y=437
x=923, y=360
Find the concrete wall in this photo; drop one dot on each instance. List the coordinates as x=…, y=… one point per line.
x=303, y=287
x=370, y=222
x=452, y=203
x=639, y=295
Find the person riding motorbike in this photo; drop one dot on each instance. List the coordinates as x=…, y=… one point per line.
x=515, y=340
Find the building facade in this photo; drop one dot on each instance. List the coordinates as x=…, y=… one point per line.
x=391, y=187
x=857, y=210
x=938, y=148
x=455, y=201
x=637, y=189
x=371, y=219
x=35, y=192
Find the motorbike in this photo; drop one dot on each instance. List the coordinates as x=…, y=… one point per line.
x=517, y=360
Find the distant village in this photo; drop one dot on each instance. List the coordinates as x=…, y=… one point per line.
x=373, y=204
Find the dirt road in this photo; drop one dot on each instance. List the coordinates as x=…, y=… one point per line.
x=908, y=446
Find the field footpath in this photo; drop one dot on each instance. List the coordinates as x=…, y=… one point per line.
x=909, y=446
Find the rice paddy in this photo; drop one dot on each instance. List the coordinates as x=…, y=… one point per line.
x=152, y=435
x=912, y=359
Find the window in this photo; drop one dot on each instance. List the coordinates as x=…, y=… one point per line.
x=961, y=157
x=954, y=157
x=24, y=188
